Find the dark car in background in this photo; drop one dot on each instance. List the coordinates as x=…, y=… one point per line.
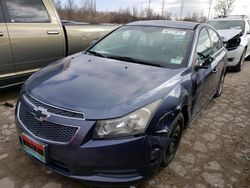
x=115, y=113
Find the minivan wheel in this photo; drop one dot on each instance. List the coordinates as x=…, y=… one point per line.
x=174, y=137
x=239, y=66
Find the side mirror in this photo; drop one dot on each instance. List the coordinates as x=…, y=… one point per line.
x=201, y=66
x=206, y=63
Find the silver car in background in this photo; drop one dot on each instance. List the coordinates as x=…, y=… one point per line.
x=235, y=31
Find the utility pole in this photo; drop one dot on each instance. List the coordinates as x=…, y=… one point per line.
x=141, y=9
x=149, y=4
x=182, y=5
x=210, y=7
x=163, y=8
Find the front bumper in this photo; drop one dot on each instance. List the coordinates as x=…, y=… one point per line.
x=101, y=162
x=234, y=56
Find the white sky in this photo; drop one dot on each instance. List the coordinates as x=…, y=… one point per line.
x=241, y=7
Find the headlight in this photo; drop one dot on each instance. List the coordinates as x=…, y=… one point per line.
x=233, y=43
x=131, y=124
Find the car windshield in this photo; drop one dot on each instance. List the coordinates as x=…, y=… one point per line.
x=157, y=46
x=230, y=24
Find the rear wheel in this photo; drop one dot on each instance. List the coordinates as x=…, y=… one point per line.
x=174, y=137
x=239, y=66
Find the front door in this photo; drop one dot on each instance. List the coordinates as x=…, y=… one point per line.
x=219, y=58
x=7, y=68
x=203, y=85
x=36, y=37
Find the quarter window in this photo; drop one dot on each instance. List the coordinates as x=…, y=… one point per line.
x=204, y=48
x=27, y=11
x=215, y=40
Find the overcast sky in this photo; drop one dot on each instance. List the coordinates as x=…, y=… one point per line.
x=173, y=6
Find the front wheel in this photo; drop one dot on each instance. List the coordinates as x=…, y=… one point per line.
x=239, y=66
x=174, y=141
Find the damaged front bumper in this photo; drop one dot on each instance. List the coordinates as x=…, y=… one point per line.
x=234, y=56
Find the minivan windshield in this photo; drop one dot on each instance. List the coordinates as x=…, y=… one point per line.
x=157, y=46
x=228, y=24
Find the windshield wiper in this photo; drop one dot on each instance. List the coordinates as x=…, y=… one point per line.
x=133, y=60
x=96, y=53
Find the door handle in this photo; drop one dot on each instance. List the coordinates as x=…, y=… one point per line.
x=214, y=70
x=1, y=34
x=53, y=32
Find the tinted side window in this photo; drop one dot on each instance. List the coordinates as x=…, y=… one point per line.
x=1, y=14
x=27, y=11
x=204, y=48
x=215, y=40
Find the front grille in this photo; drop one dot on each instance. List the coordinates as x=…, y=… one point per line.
x=54, y=110
x=46, y=130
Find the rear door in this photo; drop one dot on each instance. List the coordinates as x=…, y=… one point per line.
x=6, y=63
x=36, y=36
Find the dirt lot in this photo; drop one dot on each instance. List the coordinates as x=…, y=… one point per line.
x=215, y=151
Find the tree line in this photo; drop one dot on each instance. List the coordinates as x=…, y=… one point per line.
x=85, y=11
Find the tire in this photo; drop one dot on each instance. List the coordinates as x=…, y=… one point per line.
x=239, y=66
x=174, y=137
x=220, y=87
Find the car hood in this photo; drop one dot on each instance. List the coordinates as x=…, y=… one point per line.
x=228, y=34
x=100, y=87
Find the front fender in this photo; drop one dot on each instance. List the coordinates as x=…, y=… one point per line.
x=171, y=106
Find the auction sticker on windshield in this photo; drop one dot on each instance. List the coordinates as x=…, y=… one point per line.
x=34, y=148
x=174, y=32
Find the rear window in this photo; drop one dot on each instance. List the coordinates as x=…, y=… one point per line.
x=228, y=24
x=27, y=11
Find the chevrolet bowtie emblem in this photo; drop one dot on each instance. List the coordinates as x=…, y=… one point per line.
x=41, y=114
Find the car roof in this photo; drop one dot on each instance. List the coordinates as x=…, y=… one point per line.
x=166, y=23
x=227, y=19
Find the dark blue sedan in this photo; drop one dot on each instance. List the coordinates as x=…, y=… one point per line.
x=115, y=113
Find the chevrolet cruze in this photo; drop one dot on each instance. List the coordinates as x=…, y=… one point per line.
x=115, y=113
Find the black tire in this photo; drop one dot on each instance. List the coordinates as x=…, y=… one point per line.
x=175, y=137
x=220, y=87
x=239, y=66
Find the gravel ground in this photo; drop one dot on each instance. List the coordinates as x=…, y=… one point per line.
x=214, y=151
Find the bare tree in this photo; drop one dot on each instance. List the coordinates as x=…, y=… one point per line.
x=149, y=4
x=224, y=7
x=70, y=8
x=181, y=12
x=149, y=11
x=57, y=4
x=89, y=6
x=135, y=12
x=210, y=7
